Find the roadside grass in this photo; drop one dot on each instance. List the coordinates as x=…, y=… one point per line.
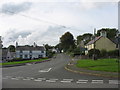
x=108, y=65
x=21, y=62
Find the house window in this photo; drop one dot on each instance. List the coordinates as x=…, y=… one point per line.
x=30, y=51
x=20, y=56
x=30, y=56
x=26, y=56
x=21, y=51
x=39, y=56
x=42, y=51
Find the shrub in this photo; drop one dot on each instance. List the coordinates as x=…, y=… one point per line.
x=103, y=53
x=92, y=52
x=113, y=53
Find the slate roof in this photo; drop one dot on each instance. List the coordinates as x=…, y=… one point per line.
x=37, y=48
x=94, y=40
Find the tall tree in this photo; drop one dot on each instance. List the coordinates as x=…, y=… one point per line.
x=67, y=41
x=111, y=33
x=86, y=37
x=11, y=48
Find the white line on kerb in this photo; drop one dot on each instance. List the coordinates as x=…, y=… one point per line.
x=45, y=70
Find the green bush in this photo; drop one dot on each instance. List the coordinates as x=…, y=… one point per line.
x=113, y=53
x=92, y=52
x=103, y=53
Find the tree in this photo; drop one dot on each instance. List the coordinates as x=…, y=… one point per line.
x=59, y=47
x=86, y=37
x=67, y=41
x=48, y=47
x=111, y=33
x=93, y=52
x=11, y=48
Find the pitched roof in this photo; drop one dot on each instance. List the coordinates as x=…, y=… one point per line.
x=37, y=48
x=94, y=40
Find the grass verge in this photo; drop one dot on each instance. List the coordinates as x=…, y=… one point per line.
x=21, y=62
x=108, y=65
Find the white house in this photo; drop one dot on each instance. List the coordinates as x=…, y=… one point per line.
x=30, y=52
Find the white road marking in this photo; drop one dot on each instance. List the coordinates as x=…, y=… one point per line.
x=51, y=80
x=26, y=79
x=82, y=81
x=14, y=78
x=41, y=78
x=113, y=82
x=38, y=80
x=67, y=80
x=45, y=70
x=97, y=81
x=29, y=78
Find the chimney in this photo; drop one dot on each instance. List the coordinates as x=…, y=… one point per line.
x=103, y=34
x=16, y=44
x=34, y=45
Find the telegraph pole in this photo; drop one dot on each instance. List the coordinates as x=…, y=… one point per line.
x=94, y=57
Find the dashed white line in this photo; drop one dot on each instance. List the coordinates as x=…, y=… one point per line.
x=113, y=82
x=97, y=81
x=38, y=80
x=14, y=78
x=41, y=78
x=82, y=81
x=26, y=79
x=51, y=80
x=67, y=80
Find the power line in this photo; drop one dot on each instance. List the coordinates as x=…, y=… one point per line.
x=41, y=20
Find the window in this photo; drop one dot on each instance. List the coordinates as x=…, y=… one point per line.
x=20, y=56
x=30, y=56
x=42, y=51
x=26, y=56
x=30, y=51
x=21, y=51
x=39, y=56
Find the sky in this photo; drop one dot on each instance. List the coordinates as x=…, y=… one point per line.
x=44, y=21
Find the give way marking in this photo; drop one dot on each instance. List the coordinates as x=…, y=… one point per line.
x=45, y=70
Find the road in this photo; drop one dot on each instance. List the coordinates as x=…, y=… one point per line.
x=51, y=74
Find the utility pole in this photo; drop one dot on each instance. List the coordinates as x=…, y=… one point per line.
x=94, y=56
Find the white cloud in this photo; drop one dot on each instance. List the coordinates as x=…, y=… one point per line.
x=35, y=24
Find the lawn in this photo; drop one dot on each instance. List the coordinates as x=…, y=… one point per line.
x=109, y=65
x=21, y=62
